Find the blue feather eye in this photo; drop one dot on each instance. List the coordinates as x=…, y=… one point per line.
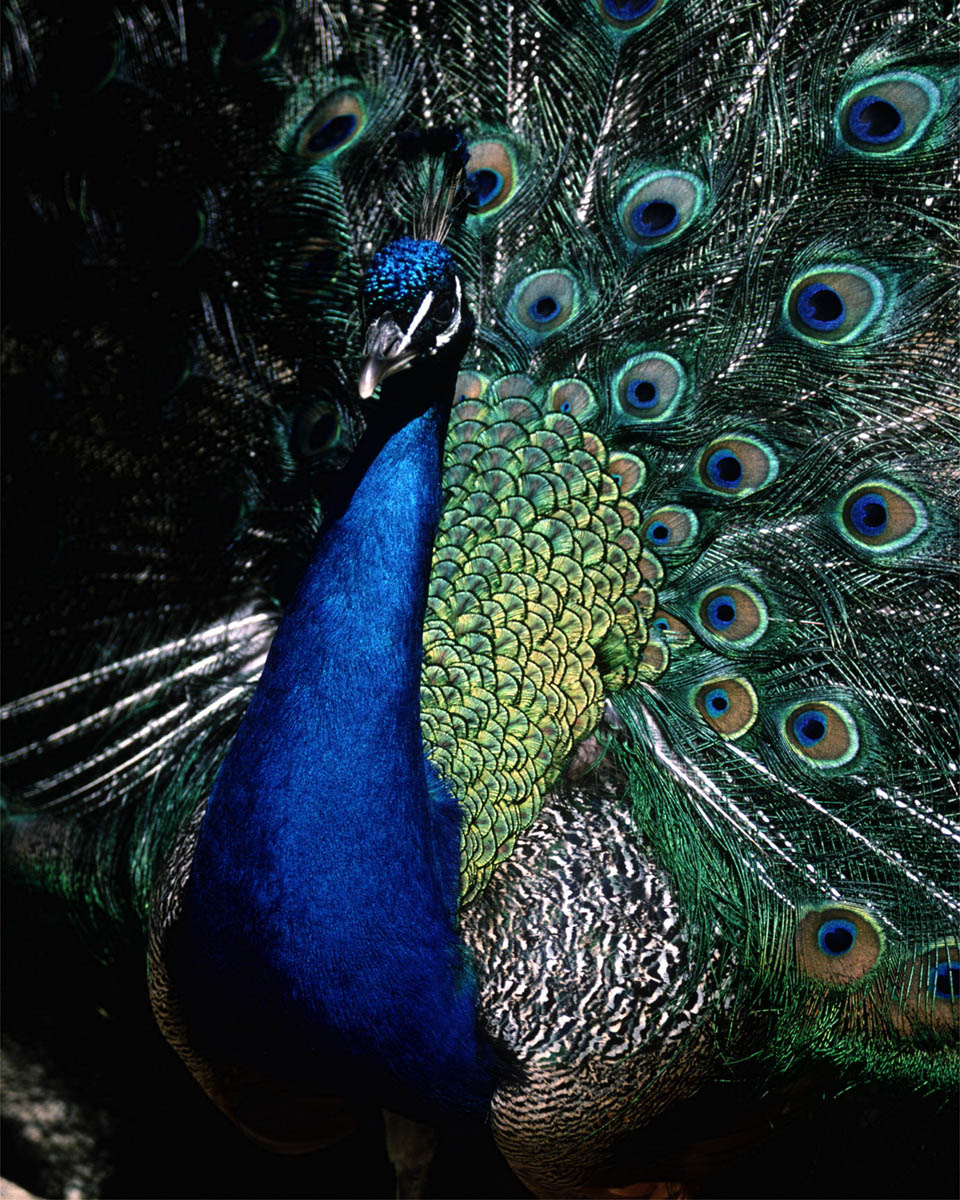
x=880, y=517
x=332, y=126
x=659, y=206
x=648, y=387
x=821, y=733
x=627, y=15
x=928, y=990
x=821, y=307
x=874, y=121
x=838, y=944
x=574, y=397
x=888, y=113
x=733, y=614
x=722, y=612
x=737, y=466
x=546, y=301
x=834, y=303
x=485, y=186
x=945, y=980
x=671, y=629
x=628, y=471
x=837, y=937
x=669, y=528
x=729, y=706
x=256, y=39
x=491, y=176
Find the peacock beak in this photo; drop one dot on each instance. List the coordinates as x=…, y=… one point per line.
x=387, y=350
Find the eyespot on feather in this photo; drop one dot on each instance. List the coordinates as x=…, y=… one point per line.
x=732, y=613
x=648, y=387
x=821, y=733
x=545, y=302
x=335, y=123
x=737, y=466
x=316, y=430
x=471, y=385
x=670, y=528
x=834, y=303
x=627, y=16
x=659, y=207
x=314, y=268
x=838, y=944
x=574, y=397
x=888, y=113
x=670, y=629
x=628, y=471
x=927, y=990
x=728, y=705
x=492, y=176
x=256, y=39
x=880, y=517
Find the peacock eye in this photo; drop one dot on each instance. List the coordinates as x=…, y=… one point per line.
x=659, y=206
x=628, y=470
x=313, y=268
x=737, y=466
x=729, y=706
x=332, y=126
x=925, y=990
x=491, y=176
x=733, y=613
x=316, y=430
x=546, y=301
x=669, y=528
x=821, y=733
x=838, y=944
x=945, y=980
x=648, y=387
x=627, y=15
x=574, y=397
x=834, y=303
x=837, y=937
x=880, y=518
x=671, y=629
x=486, y=185
x=256, y=39
x=443, y=311
x=471, y=385
x=888, y=113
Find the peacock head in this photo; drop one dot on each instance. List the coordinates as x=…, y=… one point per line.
x=413, y=307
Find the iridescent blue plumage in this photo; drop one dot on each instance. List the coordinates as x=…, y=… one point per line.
x=576, y=677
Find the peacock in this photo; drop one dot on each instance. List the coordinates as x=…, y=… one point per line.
x=480, y=522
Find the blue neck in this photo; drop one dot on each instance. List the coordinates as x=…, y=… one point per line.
x=320, y=916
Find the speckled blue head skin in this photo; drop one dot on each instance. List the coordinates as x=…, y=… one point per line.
x=413, y=308
x=402, y=273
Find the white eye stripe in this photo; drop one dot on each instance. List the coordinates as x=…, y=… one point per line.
x=417, y=321
x=454, y=325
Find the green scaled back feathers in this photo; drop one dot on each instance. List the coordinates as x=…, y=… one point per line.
x=700, y=484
